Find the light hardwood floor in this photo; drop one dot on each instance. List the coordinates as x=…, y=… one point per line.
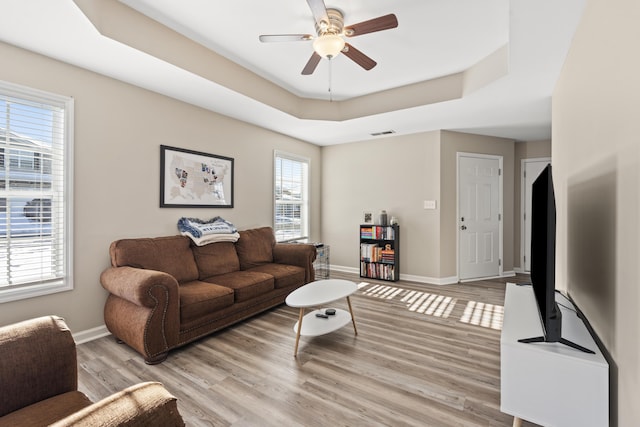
x=424, y=356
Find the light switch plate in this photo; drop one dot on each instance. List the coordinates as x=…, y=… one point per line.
x=430, y=204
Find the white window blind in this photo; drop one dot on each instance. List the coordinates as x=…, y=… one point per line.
x=35, y=192
x=291, y=195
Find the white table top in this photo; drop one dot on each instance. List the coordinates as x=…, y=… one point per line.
x=320, y=292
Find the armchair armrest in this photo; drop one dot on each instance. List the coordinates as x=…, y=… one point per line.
x=298, y=254
x=144, y=404
x=38, y=361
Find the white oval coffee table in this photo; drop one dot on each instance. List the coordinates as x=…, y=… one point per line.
x=319, y=293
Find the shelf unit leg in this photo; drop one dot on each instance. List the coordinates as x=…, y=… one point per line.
x=517, y=422
x=353, y=319
x=300, y=316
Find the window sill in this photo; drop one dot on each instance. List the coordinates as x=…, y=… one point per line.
x=20, y=293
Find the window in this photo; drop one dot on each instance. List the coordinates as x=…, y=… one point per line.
x=36, y=146
x=291, y=197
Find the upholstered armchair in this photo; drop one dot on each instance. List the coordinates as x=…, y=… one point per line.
x=39, y=384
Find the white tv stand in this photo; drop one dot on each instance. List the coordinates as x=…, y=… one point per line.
x=549, y=383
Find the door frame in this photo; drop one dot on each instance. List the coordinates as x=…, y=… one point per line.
x=523, y=164
x=500, y=159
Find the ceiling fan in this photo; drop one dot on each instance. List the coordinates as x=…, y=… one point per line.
x=331, y=31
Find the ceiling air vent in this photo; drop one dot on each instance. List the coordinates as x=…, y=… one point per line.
x=385, y=132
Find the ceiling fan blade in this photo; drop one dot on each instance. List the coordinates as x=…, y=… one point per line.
x=311, y=64
x=358, y=57
x=268, y=38
x=319, y=11
x=385, y=22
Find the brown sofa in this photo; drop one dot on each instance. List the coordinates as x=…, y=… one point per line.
x=166, y=291
x=39, y=384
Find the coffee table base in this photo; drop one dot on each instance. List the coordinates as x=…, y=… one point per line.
x=315, y=326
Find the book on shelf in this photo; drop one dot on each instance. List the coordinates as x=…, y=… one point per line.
x=377, y=232
x=387, y=254
x=372, y=252
x=377, y=271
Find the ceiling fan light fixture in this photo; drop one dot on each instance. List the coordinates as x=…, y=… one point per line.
x=328, y=45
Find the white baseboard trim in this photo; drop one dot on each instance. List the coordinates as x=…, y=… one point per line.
x=344, y=269
x=407, y=277
x=91, y=334
x=502, y=276
x=429, y=280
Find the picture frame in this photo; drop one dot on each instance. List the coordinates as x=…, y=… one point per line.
x=195, y=179
x=367, y=217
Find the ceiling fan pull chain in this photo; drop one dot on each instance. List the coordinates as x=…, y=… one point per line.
x=330, y=93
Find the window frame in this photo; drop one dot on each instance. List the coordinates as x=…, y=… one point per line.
x=65, y=282
x=305, y=211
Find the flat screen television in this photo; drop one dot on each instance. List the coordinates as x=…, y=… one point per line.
x=543, y=260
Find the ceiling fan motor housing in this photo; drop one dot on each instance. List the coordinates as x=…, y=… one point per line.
x=335, y=24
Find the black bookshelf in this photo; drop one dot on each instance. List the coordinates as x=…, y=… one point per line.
x=380, y=252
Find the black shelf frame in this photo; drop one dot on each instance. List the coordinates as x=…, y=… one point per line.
x=379, y=270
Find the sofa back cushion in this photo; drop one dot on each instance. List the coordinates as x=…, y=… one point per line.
x=215, y=259
x=171, y=254
x=255, y=247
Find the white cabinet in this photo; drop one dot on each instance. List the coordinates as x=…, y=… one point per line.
x=550, y=384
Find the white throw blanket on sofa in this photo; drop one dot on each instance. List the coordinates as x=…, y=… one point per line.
x=202, y=232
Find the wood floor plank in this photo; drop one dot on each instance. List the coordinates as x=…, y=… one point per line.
x=424, y=356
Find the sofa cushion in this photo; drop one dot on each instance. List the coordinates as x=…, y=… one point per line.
x=200, y=298
x=171, y=254
x=285, y=276
x=255, y=247
x=245, y=284
x=48, y=411
x=216, y=258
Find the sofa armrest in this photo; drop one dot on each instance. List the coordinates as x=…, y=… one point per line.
x=143, y=309
x=298, y=254
x=144, y=404
x=136, y=285
x=38, y=361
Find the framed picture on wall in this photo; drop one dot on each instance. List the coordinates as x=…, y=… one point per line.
x=195, y=179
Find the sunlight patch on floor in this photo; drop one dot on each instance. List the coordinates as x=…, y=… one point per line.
x=475, y=313
x=431, y=304
x=482, y=314
x=381, y=291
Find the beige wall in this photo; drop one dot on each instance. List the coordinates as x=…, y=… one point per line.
x=395, y=174
x=453, y=143
x=596, y=161
x=524, y=150
x=118, y=131
x=398, y=174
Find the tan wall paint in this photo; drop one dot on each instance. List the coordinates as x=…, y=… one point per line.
x=596, y=161
x=118, y=131
x=398, y=174
x=523, y=150
x=395, y=174
x=452, y=143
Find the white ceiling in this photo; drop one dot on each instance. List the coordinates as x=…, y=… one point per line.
x=425, y=44
x=434, y=38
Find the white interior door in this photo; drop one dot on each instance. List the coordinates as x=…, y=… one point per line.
x=531, y=168
x=479, y=237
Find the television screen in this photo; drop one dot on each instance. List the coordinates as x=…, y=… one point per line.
x=543, y=253
x=543, y=260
